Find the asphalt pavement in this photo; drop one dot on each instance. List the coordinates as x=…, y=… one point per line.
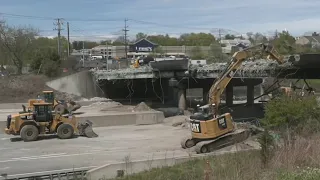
x=114, y=144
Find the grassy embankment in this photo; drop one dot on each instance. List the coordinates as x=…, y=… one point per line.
x=297, y=163
x=296, y=119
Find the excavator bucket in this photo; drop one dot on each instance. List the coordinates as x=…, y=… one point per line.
x=85, y=129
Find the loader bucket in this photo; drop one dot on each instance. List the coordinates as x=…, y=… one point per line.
x=74, y=107
x=85, y=129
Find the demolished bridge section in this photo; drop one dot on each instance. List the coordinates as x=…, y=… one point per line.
x=252, y=69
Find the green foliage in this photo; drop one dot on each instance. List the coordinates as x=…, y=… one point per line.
x=196, y=53
x=46, y=61
x=294, y=113
x=285, y=43
x=140, y=35
x=216, y=55
x=229, y=36
x=267, y=144
x=78, y=45
x=305, y=174
x=192, y=39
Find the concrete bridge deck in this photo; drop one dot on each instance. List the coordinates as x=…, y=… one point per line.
x=295, y=66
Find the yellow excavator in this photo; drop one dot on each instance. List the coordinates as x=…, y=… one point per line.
x=211, y=130
x=43, y=120
x=59, y=106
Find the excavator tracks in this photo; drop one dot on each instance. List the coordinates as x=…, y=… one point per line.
x=237, y=136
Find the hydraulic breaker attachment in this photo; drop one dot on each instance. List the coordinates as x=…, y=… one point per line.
x=85, y=129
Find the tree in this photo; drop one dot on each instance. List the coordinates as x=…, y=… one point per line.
x=196, y=53
x=294, y=115
x=229, y=36
x=46, y=61
x=216, y=55
x=17, y=42
x=78, y=45
x=285, y=43
x=140, y=35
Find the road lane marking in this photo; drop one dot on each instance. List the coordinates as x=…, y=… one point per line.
x=4, y=168
x=53, y=171
x=44, y=157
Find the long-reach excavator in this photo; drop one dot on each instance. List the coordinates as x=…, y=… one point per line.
x=211, y=130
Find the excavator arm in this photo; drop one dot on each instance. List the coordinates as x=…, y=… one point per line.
x=238, y=57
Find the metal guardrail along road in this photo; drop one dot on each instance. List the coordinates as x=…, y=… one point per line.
x=66, y=174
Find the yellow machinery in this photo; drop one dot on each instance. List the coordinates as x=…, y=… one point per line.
x=211, y=130
x=42, y=120
x=59, y=106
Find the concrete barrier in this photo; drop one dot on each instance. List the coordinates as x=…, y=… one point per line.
x=110, y=171
x=128, y=118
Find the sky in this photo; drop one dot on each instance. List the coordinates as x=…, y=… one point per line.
x=104, y=19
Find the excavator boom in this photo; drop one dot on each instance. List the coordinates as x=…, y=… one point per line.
x=237, y=59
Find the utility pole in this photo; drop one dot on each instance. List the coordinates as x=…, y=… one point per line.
x=125, y=37
x=68, y=39
x=219, y=35
x=59, y=24
x=107, y=54
x=83, y=51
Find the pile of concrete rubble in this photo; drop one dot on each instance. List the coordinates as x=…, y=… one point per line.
x=248, y=69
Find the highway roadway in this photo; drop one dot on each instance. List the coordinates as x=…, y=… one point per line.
x=113, y=145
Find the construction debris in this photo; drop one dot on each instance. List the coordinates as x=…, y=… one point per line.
x=176, y=121
x=260, y=67
x=105, y=105
x=96, y=99
x=142, y=107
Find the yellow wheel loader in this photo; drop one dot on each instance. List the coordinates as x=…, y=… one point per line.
x=211, y=130
x=43, y=120
x=59, y=106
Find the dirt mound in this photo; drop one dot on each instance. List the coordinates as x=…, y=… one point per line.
x=176, y=121
x=18, y=89
x=142, y=107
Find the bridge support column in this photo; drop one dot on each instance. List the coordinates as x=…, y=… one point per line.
x=229, y=94
x=178, y=93
x=205, y=92
x=250, y=94
x=182, y=100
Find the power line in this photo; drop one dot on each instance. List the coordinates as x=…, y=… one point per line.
x=103, y=20
x=53, y=18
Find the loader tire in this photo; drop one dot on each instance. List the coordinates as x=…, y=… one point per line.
x=29, y=133
x=65, y=131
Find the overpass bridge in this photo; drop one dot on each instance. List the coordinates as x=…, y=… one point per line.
x=170, y=87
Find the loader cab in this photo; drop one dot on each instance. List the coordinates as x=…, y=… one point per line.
x=48, y=96
x=43, y=112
